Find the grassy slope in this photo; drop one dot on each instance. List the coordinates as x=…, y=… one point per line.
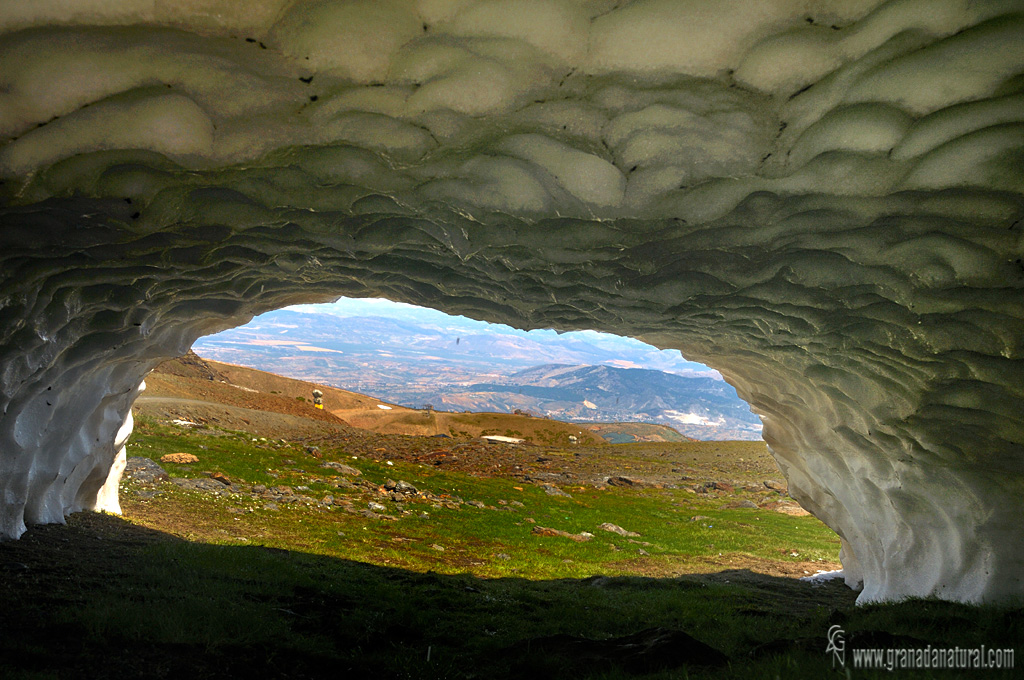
x=192, y=583
x=471, y=537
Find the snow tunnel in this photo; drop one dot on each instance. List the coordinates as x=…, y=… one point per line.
x=822, y=200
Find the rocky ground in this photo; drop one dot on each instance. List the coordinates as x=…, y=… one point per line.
x=740, y=474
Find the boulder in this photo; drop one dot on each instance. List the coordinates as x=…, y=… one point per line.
x=144, y=471
x=180, y=458
x=341, y=468
x=616, y=529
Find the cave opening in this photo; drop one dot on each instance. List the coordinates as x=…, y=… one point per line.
x=369, y=450
x=423, y=359
x=826, y=206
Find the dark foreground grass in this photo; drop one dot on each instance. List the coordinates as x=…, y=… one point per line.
x=200, y=585
x=102, y=598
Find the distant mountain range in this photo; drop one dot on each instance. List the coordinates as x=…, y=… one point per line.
x=414, y=357
x=703, y=407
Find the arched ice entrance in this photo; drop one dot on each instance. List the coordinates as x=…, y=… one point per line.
x=840, y=236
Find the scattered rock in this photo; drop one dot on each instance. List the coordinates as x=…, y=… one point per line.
x=476, y=504
x=438, y=548
x=342, y=468
x=201, y=484
x=405, y=487
x=180, y=458
x=376, y=507
x=788, y=508
x=314, y=451
x=775, y=486
x=552, y=490
x=144, y=471
x=643, y=552
x=616, y=529
x=548, y=531
x=625, y=482
x=503, y=556
x=222, y=478
x=741, y=504
x=270, y=506
x=698, y=518
x=720, y=486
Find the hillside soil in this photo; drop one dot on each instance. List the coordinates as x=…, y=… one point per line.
x=195, y=380
x=219, y=395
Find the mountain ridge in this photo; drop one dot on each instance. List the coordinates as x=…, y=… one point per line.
x=421, y=363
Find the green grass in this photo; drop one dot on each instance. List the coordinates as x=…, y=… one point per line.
x=206, y=586
x=472, y=537
x=159, y=608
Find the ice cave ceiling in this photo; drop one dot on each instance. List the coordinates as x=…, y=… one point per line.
x=821, y=199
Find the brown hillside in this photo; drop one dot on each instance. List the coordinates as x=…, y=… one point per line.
x=399, y=420
x=334, y=399
x=194, y=380
x=189, y=366
x=641, y=432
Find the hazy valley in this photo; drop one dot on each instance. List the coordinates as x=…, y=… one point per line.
x=457, y=364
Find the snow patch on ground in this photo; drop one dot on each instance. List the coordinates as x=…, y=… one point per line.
x=823, y=577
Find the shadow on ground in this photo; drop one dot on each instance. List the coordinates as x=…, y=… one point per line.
x=102, y=598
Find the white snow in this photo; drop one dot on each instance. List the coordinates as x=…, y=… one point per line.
x=693, y=419
x=822, y=576
x=821, y=200
x=502, y=439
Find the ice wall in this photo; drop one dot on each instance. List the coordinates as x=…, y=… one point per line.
x=821, y=199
